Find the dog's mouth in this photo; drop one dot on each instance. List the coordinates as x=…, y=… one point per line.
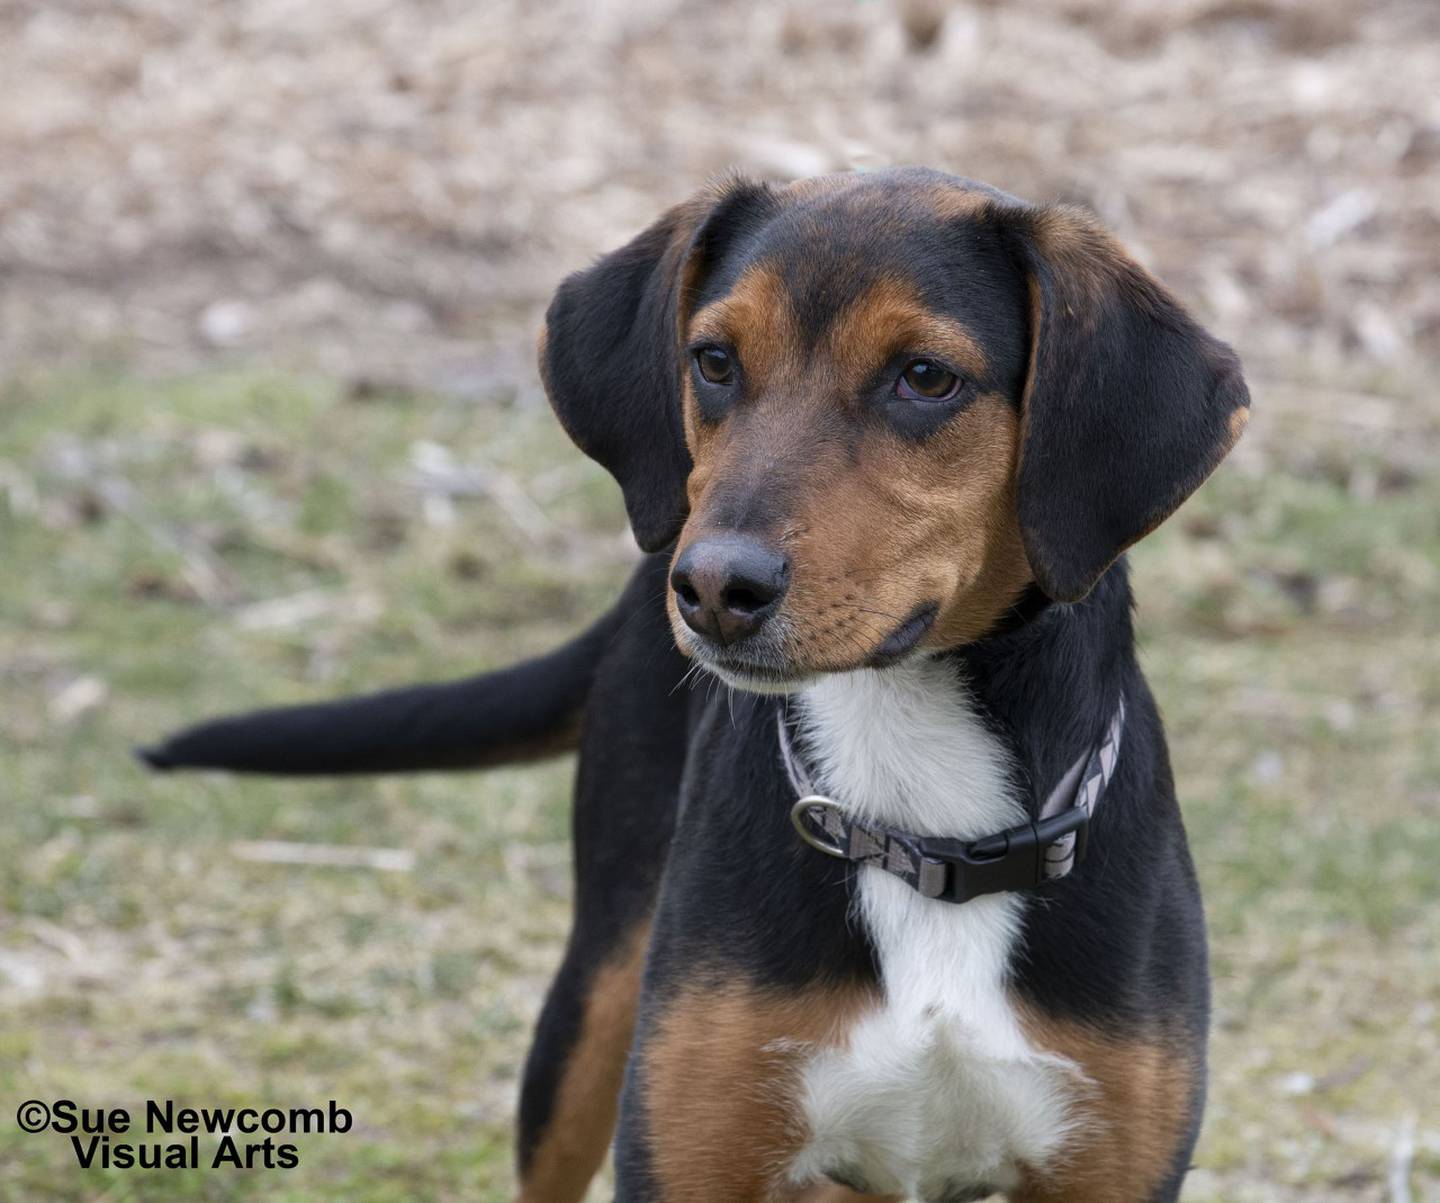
x=758, y=665
x=904, y=638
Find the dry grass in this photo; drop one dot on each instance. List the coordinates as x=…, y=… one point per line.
x=394, y=188
x=372, y=200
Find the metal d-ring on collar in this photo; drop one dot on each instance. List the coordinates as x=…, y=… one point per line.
x=949, y=870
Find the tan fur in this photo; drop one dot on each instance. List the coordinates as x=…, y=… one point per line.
x=563, y=737
x=898, y=527
x=1088, y=261
x=755, y=315
x=583, y=1117
x=1087, y=255
x=1037, y=315
x=833, y=1192
x=720, y=1073
x=1238, y=421
x=951, y=202
x=889, y=317
x=1129, y=1126
x=819, y=186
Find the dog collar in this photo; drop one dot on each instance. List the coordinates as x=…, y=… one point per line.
x=1019, y=858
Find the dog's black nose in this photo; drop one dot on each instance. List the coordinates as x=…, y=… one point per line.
x=726, y=586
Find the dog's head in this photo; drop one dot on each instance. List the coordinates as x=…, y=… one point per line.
x=872, y=410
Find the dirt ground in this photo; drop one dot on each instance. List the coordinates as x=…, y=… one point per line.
x=270, y=429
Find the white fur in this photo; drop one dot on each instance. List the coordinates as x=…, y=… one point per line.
x=939, y=1086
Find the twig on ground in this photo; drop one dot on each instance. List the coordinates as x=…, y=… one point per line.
x=438, y=473
x=203, y=571
x=282, y=852
x=1402, y=1154
x=297, y=609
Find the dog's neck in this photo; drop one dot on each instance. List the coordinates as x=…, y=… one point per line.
x=907, y=746
x=968, y=743
x=1049, y=686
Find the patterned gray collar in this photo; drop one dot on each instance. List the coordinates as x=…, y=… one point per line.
x=1019, y=858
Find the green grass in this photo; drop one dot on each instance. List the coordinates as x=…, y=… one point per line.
x=1290, y=623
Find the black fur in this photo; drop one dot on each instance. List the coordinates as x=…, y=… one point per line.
x=1128, y=410
x=612, y=359
x=480, y=721
x=632, y=754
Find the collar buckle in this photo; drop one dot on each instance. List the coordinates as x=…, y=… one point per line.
x=1013, y=859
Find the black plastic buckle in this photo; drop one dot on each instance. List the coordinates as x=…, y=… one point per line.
x=1013, y=859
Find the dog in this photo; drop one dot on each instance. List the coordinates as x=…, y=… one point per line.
x=907, y=910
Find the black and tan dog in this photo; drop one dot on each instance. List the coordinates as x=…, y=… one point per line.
x=913, y=913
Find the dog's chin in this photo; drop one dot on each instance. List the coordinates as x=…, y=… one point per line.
x=750, y=676
x=764, y=669
x=764, y=681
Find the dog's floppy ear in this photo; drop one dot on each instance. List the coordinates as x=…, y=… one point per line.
x=1128, y=407
x=611, y=359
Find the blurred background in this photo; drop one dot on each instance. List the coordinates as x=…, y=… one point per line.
x=270, y=429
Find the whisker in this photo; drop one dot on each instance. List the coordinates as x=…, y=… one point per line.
x=689, y=673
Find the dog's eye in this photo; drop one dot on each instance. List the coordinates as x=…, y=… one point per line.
x=926, y=380
x=715, y=365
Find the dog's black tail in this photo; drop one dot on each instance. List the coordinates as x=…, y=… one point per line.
x=528, y=711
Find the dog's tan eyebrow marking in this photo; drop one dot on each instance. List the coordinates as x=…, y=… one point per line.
x=890, y=317
x=755, y=316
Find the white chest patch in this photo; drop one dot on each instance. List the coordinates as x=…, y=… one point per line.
x=938, y=1091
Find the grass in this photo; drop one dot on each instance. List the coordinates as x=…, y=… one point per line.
x=173, y=548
